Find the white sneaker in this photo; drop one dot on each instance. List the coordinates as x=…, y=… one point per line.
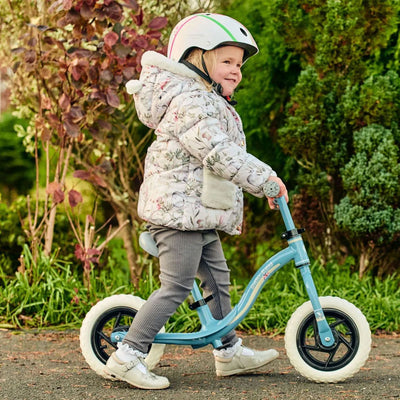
x=135, y=372
x=238, y=359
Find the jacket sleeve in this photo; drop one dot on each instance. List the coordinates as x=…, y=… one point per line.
x=202, y=134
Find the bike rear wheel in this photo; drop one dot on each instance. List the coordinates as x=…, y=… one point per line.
x=324, y=364
x=112, y=315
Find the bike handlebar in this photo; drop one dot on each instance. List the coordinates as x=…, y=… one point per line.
x=271, y=189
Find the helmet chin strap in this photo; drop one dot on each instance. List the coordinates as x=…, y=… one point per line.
x=216, y=86
x=206, y=76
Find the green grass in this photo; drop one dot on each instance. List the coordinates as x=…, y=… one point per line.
x=379, y=300
x=50, y=294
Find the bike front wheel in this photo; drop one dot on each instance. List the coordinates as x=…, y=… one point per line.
x=332, y=364
x=109, y=316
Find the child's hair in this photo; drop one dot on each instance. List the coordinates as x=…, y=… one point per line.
x=195, y=58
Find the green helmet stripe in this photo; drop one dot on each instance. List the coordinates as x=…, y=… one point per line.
x=222, y=26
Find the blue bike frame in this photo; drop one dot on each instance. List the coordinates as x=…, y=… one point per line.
x=213, y=330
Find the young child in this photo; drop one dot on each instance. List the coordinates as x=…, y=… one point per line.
x=195, y=172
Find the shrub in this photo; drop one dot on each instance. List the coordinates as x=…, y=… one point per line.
x=17, y=172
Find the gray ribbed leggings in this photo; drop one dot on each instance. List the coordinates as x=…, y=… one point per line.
x=183, y=255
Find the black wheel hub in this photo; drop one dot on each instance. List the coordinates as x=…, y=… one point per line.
x=324, y=358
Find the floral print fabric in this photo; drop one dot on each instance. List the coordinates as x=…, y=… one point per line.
x=195, y=129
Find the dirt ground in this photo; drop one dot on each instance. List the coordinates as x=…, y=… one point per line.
x=49, y=365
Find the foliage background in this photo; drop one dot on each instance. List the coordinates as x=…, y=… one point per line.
x=326, y=93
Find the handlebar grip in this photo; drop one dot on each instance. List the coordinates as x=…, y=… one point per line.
x=271, y=189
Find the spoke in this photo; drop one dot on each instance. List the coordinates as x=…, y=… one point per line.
x=314, y=337
x=315, y=327
x=310, y=347
x=117, y=320
x=343, y=340
x=337, y=322
x=317, y=348
x=331, y=355
x=105, y=337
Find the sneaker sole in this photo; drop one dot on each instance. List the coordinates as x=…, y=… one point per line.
x=115, y=377
x=245, y=370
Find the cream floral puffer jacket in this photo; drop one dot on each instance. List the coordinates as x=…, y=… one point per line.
x=196, y=168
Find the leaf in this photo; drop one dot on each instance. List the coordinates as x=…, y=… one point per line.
x=58, y=196
x=76, y=73
x=42, y=28
x=52, y=187
x=158, y=23
x=76, y=114
x=112, y=98
x=78, y=67
x=67, y=4
x=64, y=102
x=122, y=51
x=113, y=11
x=106, y=75
x=91, y=177
x=141, y=42
x=104, y=125
x=106, y=167
x=72, y=17
x=87, y=12
x=138, y=18
x=46, y=103
x=45, y=73
x=96, y=94
x=32, y=42
x=154, y=35
x=93, y=252
x=30, y=56
x=46, y=134
x=71, y=128
x=132, y=4
x=93, y=74
x=53, y=121
x=79, y=252
x=18, y=50
x=98, y=180
x=74, y=198
x=128, y=72
x=81, y=56
x=56, y=6
x=55, y=189
x=81, y=174
x=111, y=38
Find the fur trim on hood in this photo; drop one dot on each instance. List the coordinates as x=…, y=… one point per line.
x=161, y=80
x=153, y=58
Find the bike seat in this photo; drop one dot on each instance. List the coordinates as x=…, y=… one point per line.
x=148, y=244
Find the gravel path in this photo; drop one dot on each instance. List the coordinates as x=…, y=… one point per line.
x=49, y=365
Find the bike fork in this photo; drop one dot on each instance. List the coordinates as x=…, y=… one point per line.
x=324, y=331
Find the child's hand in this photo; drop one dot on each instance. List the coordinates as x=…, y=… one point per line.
x=282, y=192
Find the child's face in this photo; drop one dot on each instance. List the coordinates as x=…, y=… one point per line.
x=227, y=66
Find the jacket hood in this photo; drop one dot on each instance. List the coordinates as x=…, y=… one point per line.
x=161, y=80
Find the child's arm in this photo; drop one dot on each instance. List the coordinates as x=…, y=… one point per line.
x=202, y=135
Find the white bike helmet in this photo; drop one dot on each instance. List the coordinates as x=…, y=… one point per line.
x=209, y=31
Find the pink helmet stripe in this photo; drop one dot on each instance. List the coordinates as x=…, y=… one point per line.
x=176, y=34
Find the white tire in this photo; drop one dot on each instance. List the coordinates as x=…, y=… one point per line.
x=106, y=315
x=352, y=341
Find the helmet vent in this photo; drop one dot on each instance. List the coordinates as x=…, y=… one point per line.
x=243, y=31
